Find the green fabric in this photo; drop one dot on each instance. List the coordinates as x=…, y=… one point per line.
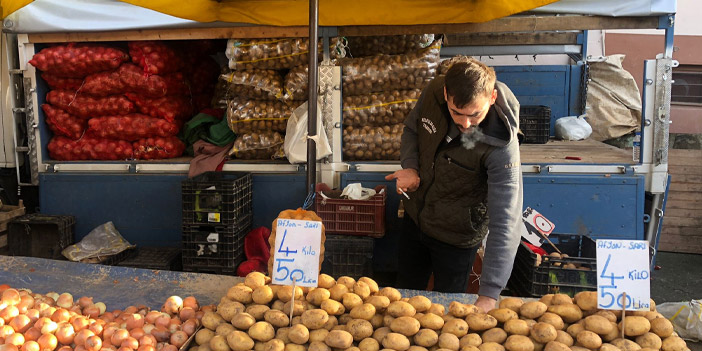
x=208, y=128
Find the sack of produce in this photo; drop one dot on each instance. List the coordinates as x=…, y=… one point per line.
x=63, y=123
x=152, y=85
x=78, y=60
x=103, y=84
x=131, y=127
x=203, y=76
x=254, y=84
x=155, y=57
x=257, y=146
x=390, y=72
x=61, y=83
x=297, y=83
x=284, y=53
x=372, y=143
x=379, y=109
x=298, y=214
x=387, y=44
x=89, y=148
x=84, y=106
x=170, y=108
x=248, y=116
x=158, y=148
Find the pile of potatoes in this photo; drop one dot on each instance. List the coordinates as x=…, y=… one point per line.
x=346, y=314
x=258, y=146
x=373, y=143
x=379, y=109
x=249, y=116
x=387, y=44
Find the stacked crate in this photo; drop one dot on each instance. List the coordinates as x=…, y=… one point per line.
x=8, y=213
x=217, y=215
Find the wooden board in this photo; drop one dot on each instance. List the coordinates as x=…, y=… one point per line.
x=683, y=212
x=589, y=152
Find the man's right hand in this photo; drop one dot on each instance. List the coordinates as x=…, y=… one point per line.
x=407, y=179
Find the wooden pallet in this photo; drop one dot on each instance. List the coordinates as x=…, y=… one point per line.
x=8, y=213
x=683, y=213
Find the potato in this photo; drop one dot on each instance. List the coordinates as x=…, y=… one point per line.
x=318, y=335
x=346, y=280
x=380, y=333
x=543, y=332
x=211, y=320
x=553, y=319
x=426, y=338
x=276, y=318
x=333, y=307
x=516, y=327
x=561, y=299
x=369, y=344
x=513, y=303
x=491, y=346
x=296, y=320
x=437, y=309
x=431, y=321
x=395, y=341
x=628, y=345
x=317, y=296
x=503, y=314
x=262, y=295
x=278, y=305
x=285, y=293
x=282, y=334
x=635, y=325
x=339, y=339
x=570, y=313
x=401, y=309
x=299, y=334
x=315, y=319
x=586, y=300
x=651, y=315
x=224, y=329
x=607, y=314
x=673, y=343
x=420, y=303
x=530, y=322
x=365, y=311
x=337, y=292
x=470, y=339
x=228, y=308
x=519, y=343
x=494, y=335
x=298, y=309
x=351, y=300
x=556, y=346
x=564, y=338
x=295, y=347
x=203, y=336
x=608, y=347
x=219, y=343
x=345, y=318
x=325, y=281
x=649, y=340
x=331, y=323
x=391, y=293
x=481, y=321
x=533, y=309
x=239, y=341
x=537, y=345
x=598, y=324
x=404, y=325
x=574, y=329
x=377, y=321
x=457, y=327
x=240, y=293
x=255, y=279
x=258, y=311
x=274, y=345
x=318, y=346
x=662, y=327
x=379, y=302
x=449, y=341
x=359, y=329
x=461, y=310
x=579, y=348
x=613, y=334
x=361, y=289
x=261, y=331
x=588, y=339
x=546, y=299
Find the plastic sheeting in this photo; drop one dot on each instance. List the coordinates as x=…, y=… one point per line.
x=44, y=16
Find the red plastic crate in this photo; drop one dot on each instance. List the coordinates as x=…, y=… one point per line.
x=352, y=217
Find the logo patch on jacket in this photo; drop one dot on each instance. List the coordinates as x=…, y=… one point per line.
x=428, y=125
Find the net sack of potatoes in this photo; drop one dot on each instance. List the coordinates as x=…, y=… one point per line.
x=387, y=44
x=296, y=83
x=282, y=53
x=249, y=116
x=257, y=146
x=379, y=109
x=372, y=143
x=390, y=72
x=298, y=214
x=254, y=84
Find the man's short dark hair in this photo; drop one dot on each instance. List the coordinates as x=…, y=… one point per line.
x=466, y=80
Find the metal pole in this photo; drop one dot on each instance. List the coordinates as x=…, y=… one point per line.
x=312, y=102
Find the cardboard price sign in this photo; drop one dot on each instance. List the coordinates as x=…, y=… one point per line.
x=623, y=267
x=296, y=254
x=535, y=227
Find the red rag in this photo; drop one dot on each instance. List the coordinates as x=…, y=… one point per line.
x=536, y=249
x=257, y=252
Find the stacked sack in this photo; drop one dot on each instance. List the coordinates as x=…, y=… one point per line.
x=101, y=106
x=381, y=85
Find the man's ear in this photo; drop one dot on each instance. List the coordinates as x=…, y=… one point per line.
x=493, y=97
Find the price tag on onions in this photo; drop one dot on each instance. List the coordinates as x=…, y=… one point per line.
x=296, y=254
x=623, y=267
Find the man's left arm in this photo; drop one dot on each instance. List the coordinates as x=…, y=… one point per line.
x=504, y=210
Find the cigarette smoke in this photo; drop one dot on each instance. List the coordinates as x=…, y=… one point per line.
x=471, y=137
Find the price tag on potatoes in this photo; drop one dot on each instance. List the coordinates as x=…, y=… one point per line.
x=623, y=267
x=296, y=254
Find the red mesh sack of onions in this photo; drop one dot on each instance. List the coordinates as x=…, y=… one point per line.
x=78, y=60
x=63, y=123
x=170, y=108
x=203, y=75
x=89, y=148
x=158, y=148
x=131, y=127
x=155, y=57
x=152, y=85
x=103, y=84
x=62, y=83
x=84, y=106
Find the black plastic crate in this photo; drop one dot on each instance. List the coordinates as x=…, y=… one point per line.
x=161, y=258
x=40, y=235
x=217, y=198
x=535, y=123
x=552, y=276
x=216, y=249
x=346, y=255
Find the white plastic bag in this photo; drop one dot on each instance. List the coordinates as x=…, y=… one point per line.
x=686, y=317
x=355, y=191
x=572, y=128
x=104, y=240
x=295, y=145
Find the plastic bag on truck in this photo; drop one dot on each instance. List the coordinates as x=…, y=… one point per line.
x=254, y=84
x=373, y=143
x=78, y=60
x=296, y=136
x=572, y=128
x=132, y=127
x=257, y=146
x=379, y=109
x=249, y=116
x=685, y=316
x=63, y=123
x=387, y=44
x=104, y=240
x=84, y=106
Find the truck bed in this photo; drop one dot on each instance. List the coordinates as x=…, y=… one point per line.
x=589, y=151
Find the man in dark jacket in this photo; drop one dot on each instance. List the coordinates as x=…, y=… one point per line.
x=462, y=172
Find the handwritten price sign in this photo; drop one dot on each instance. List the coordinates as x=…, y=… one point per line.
x=623, y=266
x=296, y=254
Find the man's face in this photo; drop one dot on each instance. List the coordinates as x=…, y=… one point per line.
x=471, y=114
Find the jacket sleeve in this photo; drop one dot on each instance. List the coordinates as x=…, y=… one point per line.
x=409, y=149
x=504, y=210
